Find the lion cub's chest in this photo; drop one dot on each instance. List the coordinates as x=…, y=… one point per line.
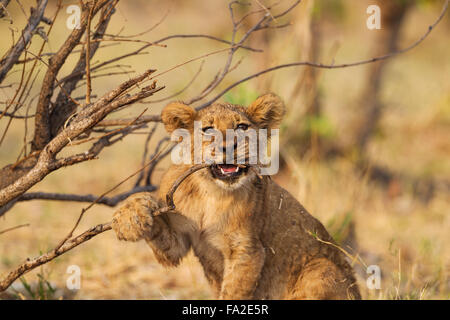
x=217, y=215
x=214, y=212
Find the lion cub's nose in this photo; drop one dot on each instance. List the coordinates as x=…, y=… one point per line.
x=229, y=146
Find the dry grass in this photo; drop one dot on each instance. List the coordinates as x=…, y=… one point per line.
x=407, y=237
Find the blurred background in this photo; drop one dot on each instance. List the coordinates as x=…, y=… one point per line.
x=365, y=149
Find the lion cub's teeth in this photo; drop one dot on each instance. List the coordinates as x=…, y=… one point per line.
x=225, y=173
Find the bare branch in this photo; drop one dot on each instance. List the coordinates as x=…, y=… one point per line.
x=88, y=54
x=332, y=66
x=180, y=91
x=36, y=262
x=12, y=115
x=69, y=244
x=260, y=24
x=84, y=120
x=42, y=133
x=14, y=228
x=144, y=154
x=122, y=122
x=14, y=53
x=107, y=201
x=160, y=156
x=205, y=36
x=3, y=5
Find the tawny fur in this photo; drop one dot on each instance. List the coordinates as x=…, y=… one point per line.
x=253, y=239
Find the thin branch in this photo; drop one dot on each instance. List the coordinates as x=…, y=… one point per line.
x=14, y=53
x=111, y=133
x=205, y=36
x=107, y=201
x=30, y=73
x=42, y=134
x=12, y=115
x=16, y=93
x=144, y=154
x=63, y=108
x=169, y=197
x=88, y=54
x=145, y=31
x=14, y=228
x=3, y=5
x=260, y=24
x=180, y=91
x=161, y=156
x=122, y=122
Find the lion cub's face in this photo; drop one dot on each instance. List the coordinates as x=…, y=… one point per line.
x=264, y=113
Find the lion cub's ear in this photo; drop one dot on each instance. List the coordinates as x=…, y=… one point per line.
x=177, y=115
x=267, y=111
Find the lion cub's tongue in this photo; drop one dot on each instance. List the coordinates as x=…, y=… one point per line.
x=228, y=168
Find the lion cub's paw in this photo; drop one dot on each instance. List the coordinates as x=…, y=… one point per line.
x=134, y=219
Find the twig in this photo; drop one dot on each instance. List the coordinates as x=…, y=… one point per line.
x=35, y=153
x=158, y=159
x=349, y=255
x=145, y=31
x=35, y=62
x=122, y=122
x=188, y=36
x=3, y=5
x=88, y=54
x=11, y=115
x=14, y=228
x=14, y=53
x=108, y=134
x=13, y=99
x=144, y=154
x=107, y=201
x=180, y=91
x=260, y=24
x=176, y=184
x=42, y=134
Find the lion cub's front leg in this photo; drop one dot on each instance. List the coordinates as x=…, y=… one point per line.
x=242, y=267
x=168, y=234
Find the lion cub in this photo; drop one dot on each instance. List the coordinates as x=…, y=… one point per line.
x=253, y=239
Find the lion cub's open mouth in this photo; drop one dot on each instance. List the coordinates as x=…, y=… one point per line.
x=227, y=171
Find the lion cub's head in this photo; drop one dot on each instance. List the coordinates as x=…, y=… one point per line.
x=266, y=112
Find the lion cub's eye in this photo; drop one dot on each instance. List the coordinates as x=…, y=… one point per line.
x=207, y=128
x=242, y=126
